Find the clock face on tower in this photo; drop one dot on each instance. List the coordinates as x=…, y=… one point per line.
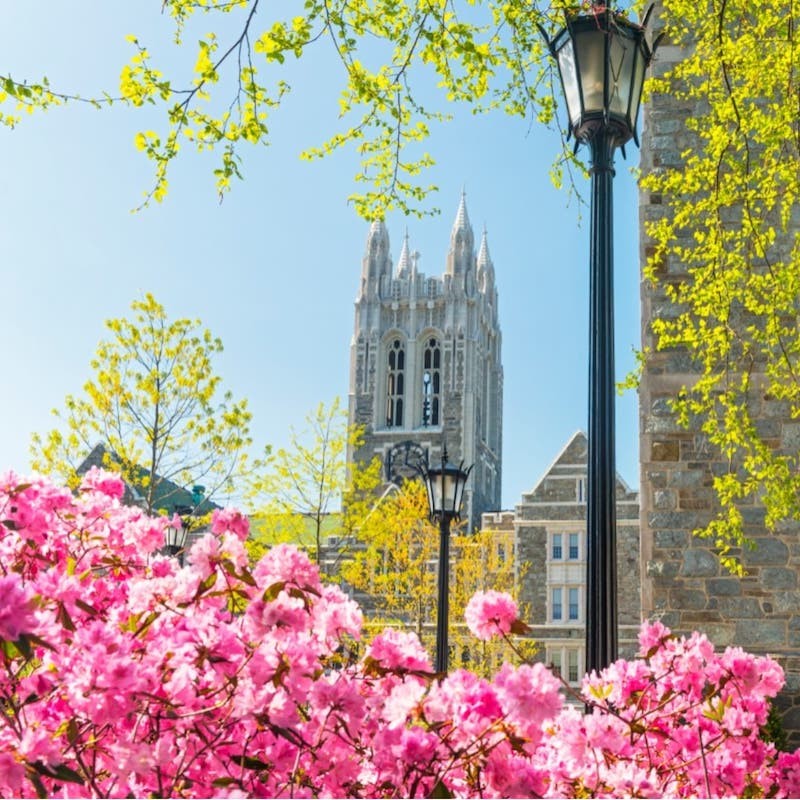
x=403, y=461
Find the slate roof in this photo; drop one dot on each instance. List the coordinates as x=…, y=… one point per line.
x=170, y=498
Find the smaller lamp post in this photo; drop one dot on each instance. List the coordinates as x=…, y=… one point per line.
x=175, y=540
x=445, y=486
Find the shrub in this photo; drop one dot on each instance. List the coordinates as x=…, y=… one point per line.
x=123, y=674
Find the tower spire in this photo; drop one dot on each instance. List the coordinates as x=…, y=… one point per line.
x=460, y=259
x=404, y=263
x=376, y=261
x=485, y=265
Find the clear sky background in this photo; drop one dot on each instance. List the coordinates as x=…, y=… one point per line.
x=274, y=269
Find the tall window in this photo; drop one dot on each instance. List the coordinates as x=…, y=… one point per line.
x=573, y=603
x=565, y=660
x=572, y=670
x=565, y=604
x=557, y=549
x=431, y=382
x=574, y=549
x=557, y=609
x=395, y=379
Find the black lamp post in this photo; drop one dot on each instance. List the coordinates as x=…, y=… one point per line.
x=175, y=541
x=445, y=487
x=602, y=58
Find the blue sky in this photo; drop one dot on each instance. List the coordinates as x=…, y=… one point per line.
x=274, y=269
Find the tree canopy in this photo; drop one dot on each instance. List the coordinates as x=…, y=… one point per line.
x=306, y=490
x=155, y=407
x=394, y=567
x=402, y=64
x=729, y=222
x=726, y=248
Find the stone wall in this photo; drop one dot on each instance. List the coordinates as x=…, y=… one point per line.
x=683, y=583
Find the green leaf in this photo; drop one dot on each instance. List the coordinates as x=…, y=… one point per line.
x=59, y=772
x=248, y=762
x=440, y=790
x=520, y=628
x=206, y=584
x=89, y=609
x=271, y=592
x=146, y=623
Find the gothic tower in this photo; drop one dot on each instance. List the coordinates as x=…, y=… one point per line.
x=425, y=365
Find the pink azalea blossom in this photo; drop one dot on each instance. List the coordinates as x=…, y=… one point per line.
x=490, y=613
x=398, y=650
x=16, y=608
x=228, y=519
x=148, y=679
x=100, y=480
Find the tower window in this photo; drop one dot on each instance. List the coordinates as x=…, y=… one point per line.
x=431, y=382
x=395, y=380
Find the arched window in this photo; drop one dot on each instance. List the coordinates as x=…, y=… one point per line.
x=431, y=382
x=395, y=380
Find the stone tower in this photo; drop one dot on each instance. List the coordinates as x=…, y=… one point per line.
x=425, y=363
x=683, y=583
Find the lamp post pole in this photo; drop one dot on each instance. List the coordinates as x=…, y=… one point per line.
x=602, y=57
x=601, y=516
x=443, y=602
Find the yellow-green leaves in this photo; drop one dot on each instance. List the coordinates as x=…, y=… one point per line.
x=725, y=249
x=154, y=405
x=395, y=563
x=402, y=65
x=302, y=484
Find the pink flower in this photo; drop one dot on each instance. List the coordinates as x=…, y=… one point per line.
x=401, y=702
x=228, y=519
x=12, y=775
x=651, y=636
x=285, y=562
x=16, y=608
x=530, y=695
x=189, y=677
x=100, y=480
x=398, y=650
x=490, y=613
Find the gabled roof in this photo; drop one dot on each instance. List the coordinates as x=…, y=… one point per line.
x=573, y=457
x=168, y=496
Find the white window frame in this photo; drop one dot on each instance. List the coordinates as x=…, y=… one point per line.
x=566, y=592
x=577, y=537
x=562, y=658
x=553, y=617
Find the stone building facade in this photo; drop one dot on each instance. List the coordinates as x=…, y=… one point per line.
x=683, y=583
x=550, y=551
x=425, y=365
